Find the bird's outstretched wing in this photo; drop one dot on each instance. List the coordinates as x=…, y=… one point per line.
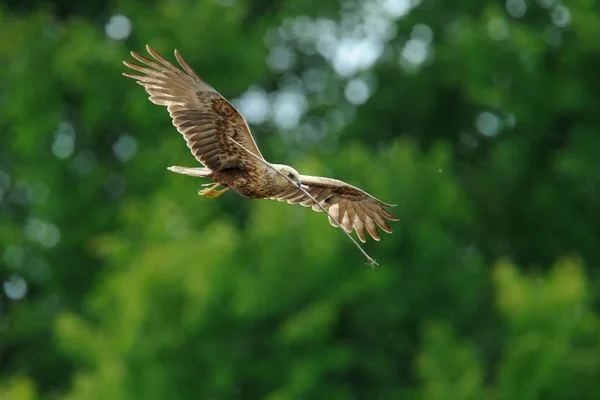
x=352, y=207
x=199, y=112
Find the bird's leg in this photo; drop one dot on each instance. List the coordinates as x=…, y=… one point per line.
x=212, y=192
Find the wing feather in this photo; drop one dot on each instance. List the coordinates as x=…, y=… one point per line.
x=351, y=216
x=359, y=227
x=352, y=207
x=199, y=112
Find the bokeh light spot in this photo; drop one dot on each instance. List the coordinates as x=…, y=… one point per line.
x=516, y=8
x=498, y=29
x=15, y=287
x=396, y=8
x=281, y=58
x=64, y=140
x=254, y=105
x=125, y=148
x=423, y=33
x=561, y=16
x=487, y=123
x=118, y=27
x=45, y=233
x=357, y=91
x=354, y=55
x=289, y=106
x=415, y=52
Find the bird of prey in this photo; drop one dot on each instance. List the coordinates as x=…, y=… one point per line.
x=220, y=139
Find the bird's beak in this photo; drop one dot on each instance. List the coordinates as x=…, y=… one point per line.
x=301, y=186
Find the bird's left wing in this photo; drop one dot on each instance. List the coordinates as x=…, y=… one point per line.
x=352, y=207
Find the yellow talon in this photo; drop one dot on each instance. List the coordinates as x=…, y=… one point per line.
x=212, y=192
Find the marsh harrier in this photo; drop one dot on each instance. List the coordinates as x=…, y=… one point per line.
x=220, y=139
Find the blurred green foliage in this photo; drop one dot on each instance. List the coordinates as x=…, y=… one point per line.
x=478, y=118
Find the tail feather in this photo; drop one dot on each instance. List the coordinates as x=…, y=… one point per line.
x=197, y=172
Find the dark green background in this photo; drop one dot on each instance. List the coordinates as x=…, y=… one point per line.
x=482, y=124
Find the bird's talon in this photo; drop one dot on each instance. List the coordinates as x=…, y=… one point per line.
x=212, y=192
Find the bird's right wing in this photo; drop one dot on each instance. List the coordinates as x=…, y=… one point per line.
x=199, y=112
x=352, y=207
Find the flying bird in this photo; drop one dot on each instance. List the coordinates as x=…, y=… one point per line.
x=220, y=139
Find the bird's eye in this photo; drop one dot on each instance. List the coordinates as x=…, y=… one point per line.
x=290, y=175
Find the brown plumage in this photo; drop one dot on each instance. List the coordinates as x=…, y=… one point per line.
x=208, y=122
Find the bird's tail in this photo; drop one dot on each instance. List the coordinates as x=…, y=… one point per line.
x=198, y=172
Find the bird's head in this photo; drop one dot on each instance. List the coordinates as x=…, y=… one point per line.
x=290, y=173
